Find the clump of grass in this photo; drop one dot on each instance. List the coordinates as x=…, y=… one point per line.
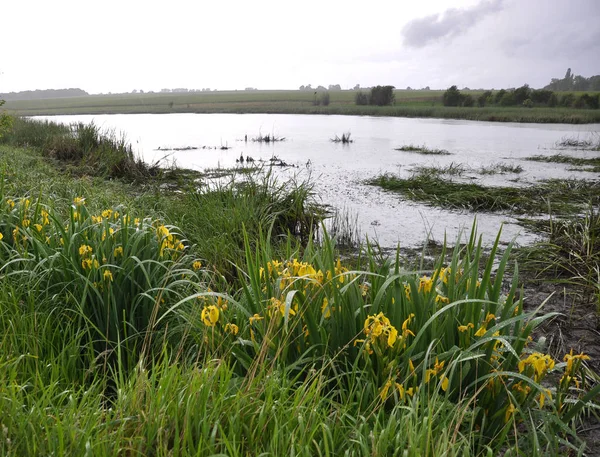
x=422, y=150
x=452, y=169
x=567, y=196
x=573, y=142
x=570, y=252
x=587, y=164
x=459, y=169
x=84, y=146
x=500, y=168
x=344, y=139
x=343, y=226
x=268, y=138
x=255, y=201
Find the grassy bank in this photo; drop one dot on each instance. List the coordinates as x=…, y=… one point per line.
x=408, y=104
x=120, y=336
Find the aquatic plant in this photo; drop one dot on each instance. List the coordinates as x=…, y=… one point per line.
x=344, y=139
x=422, y=150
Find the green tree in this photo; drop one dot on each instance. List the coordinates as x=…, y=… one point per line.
x=522, y=94
x=382, y=95
x=6, y=122
x=468, y=100
x=499, y=96
x=452, y=97
x=484, y=98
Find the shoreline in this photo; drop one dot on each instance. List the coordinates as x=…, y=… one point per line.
x=408, y=104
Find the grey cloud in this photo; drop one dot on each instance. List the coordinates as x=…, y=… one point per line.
x=420, y=32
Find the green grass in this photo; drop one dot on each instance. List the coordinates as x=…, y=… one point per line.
x=408, y=104
x=565, y=196
x=297, y=353
x=569, y=254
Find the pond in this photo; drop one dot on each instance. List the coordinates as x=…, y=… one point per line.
x=338, y=170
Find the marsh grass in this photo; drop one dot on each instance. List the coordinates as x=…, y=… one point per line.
x=452, y=169
x=500, y=168
x=269, y=138
x=215, y=214
x=573, y=142
x=459, y=169
x=422, y=150
x=569, y=253
x=84, y=148
x=586, y=164
x=567, y=196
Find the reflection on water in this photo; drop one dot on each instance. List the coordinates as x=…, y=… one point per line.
x=203, y=141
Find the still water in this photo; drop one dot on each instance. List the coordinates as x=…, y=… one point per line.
x=338, y=171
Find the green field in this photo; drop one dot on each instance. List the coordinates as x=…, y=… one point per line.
x=414, y=103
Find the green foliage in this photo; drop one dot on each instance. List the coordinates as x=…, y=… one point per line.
x=521, y=94
x=115, y=270
x=382, y=96
x=6, y=122
x=468, y=101
x=508, y=99
x=499, y=95
x=452, y=97
x=484, y=98
x=567, y=100
x=83, y=145
x=362, y=98
x=528, y=103
x=541, y=96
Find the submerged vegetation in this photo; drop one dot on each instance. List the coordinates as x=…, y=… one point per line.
x=210, y=321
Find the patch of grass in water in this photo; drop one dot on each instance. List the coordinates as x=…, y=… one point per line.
x=268, y=138
x=422, y=150
x=591, y=143
x=584, y=164
x=344, y=139
x=567, y=196
x=459, y=169
x=453, y=169
x=500, y=168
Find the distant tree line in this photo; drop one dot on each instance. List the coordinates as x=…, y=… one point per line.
x=332, y=87
x=379, y=96
x=521, y=96
x=574, y=83
x=42, y=94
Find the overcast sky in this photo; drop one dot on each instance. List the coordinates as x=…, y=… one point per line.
x=121, y=45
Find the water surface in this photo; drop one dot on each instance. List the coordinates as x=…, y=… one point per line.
x=338, y=171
